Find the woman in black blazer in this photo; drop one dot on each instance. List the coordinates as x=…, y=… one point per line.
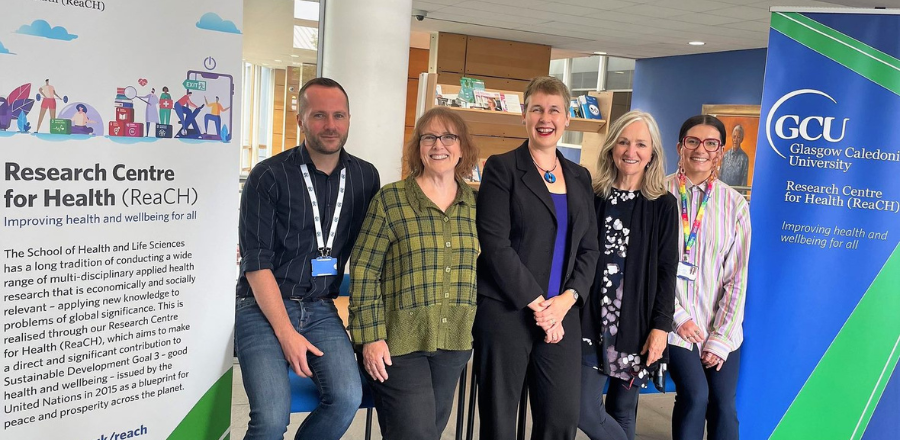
x=539, y=251
x=627, y=318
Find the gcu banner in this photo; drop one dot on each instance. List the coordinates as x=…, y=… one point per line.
x=823, y=311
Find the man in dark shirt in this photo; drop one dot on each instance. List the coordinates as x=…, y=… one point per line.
x=300, y=214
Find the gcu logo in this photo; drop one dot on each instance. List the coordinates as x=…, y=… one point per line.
x=810, y=128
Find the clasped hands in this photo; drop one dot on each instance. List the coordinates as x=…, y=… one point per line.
x=690, y=332
x=549, y=314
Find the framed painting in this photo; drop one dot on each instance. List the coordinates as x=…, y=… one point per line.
x=741, y=126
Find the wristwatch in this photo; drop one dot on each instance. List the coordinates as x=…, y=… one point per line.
x=575, y=294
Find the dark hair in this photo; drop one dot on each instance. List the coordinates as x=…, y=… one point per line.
x=165, y=89
x=452, y=121
x=81, y=107
x=694, y=121
x=321, y=82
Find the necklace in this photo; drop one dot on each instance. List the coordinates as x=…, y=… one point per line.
x=549, y=177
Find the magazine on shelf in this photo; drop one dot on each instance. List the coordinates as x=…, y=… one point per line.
x=510, y=102
x=467, y=87
x=574, y=109
x=487, y=100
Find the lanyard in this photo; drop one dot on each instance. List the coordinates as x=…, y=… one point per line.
x=325, y=248
x=690, y=234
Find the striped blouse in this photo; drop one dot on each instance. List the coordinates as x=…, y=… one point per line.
x=715, y=300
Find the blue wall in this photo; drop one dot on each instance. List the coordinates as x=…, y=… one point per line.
x=673, y=89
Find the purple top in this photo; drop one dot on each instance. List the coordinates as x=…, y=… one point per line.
x=559, y=247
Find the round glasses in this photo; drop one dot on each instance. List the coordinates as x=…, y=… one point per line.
x=692, y=143
x=446, y=139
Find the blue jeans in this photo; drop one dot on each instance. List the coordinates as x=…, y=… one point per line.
x=703, y=396
x=265, y=371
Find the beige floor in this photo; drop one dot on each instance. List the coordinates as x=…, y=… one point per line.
x=654, y=414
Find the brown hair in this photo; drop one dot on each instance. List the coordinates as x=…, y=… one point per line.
x=550, y=86
x=454, y=123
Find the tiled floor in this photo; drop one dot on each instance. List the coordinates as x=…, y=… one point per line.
x=653, y=422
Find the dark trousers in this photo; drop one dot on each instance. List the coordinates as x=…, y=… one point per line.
x=703, y=395
x=616, y=419
x=415, y=402
x=509, y=344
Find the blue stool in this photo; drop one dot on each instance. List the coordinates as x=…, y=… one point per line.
x=305, y=398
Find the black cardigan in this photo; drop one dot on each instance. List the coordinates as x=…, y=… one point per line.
x=650, y=268
x=517, y=229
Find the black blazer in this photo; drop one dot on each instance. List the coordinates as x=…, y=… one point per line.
x=517, y=229
x=650, y=269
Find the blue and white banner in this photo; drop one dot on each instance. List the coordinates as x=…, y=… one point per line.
x=823, y=310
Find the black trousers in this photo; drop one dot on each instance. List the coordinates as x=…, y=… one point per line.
x=704, y=396
x=415, y=402
x=509, y=345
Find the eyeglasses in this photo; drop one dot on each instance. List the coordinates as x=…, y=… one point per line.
x=691, y=143
x=428, y=140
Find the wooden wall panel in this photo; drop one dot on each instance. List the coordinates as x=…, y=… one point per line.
x=506, y=59
x=418, y=62
x=490, y=145
x=448, y=53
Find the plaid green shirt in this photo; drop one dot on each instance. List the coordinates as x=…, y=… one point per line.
x=412, y=271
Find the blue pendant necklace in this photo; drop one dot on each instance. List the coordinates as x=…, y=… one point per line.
x=549, y=177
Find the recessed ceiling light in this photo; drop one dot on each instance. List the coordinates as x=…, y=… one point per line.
x=277, y=61
x=696, y=43
x=599, y=53
x=295, y=56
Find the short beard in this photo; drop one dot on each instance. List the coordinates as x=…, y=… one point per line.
x=313, y=143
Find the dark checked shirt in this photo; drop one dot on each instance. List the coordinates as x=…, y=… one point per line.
x=413, y=271
x=276, y=229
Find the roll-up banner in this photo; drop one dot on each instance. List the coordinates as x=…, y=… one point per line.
x=119, y=143
x=823, y=310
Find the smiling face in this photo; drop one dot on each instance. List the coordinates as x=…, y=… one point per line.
x=633, y=151
x=698, y=163
x=326, y=119
x=546, y=118
x=439, y=159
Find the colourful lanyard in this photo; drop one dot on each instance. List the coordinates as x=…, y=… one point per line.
x=690, y=234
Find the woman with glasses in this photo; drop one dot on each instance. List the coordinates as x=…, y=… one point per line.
x=629, y=313
x=412, y=299
x=704, y=349
x=538, y=235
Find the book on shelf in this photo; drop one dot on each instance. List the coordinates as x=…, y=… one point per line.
x=590, y=108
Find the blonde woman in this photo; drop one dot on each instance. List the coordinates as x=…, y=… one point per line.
x=629, y=312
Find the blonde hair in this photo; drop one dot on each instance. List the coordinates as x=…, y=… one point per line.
x=653, y=184
x=548, y=85
x=453, y=122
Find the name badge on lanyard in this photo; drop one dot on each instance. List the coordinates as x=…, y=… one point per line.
x=687, y=271
x=324, y=264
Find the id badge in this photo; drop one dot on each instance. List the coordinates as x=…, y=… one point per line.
x=324, y=266
x=687, y=271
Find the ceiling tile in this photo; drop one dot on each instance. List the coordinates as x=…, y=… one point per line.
x=695, y=5
x=743, y=12
x=653, y=11
x=707, y=19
